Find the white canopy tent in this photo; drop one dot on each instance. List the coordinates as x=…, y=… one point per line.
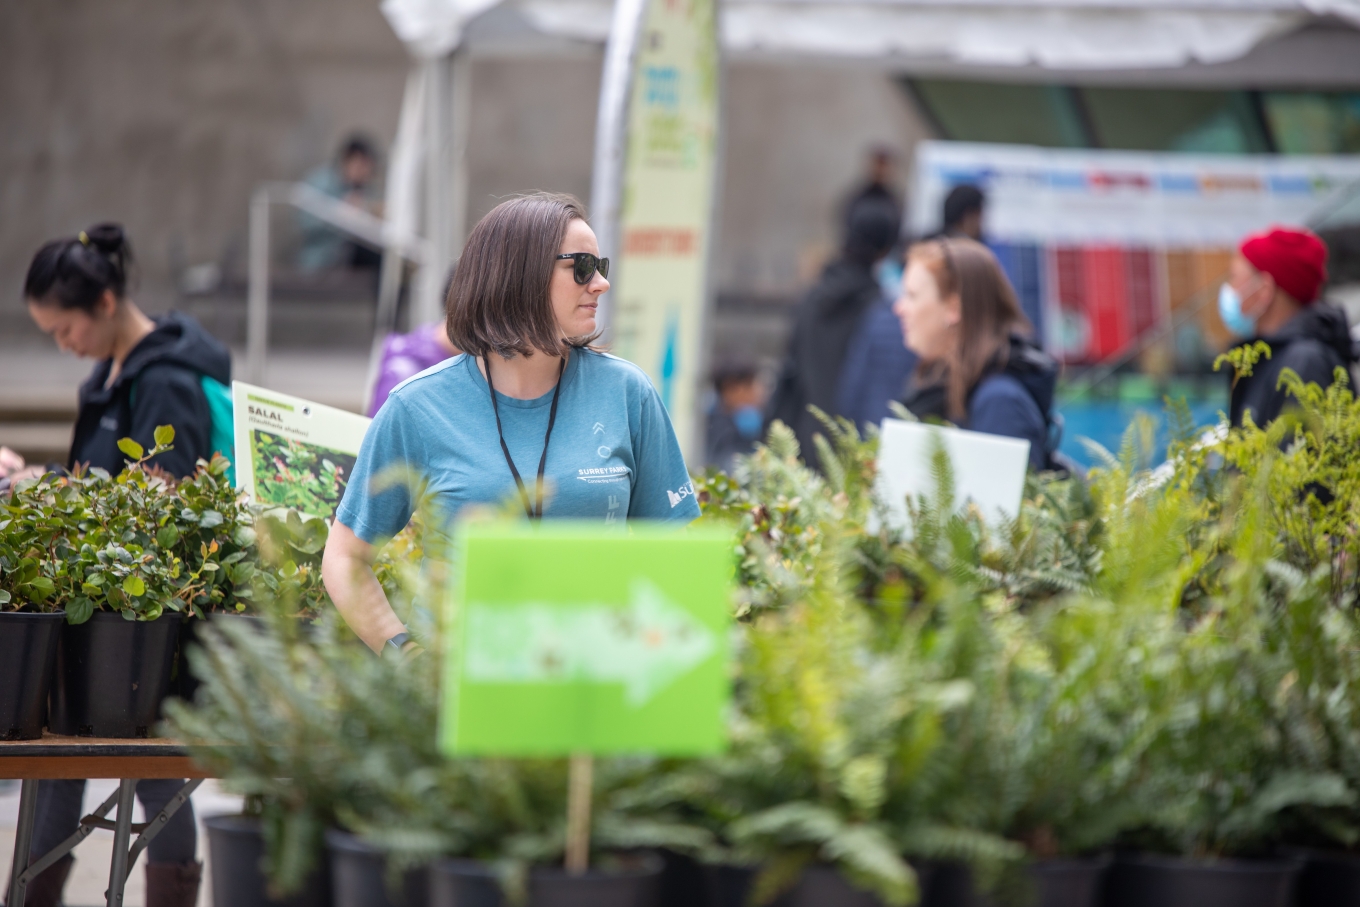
x=1018, y=38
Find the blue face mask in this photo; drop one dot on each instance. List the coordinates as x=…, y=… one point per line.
x=1230, y=310
x=749, y=421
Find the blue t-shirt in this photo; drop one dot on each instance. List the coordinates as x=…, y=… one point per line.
x=613, y=454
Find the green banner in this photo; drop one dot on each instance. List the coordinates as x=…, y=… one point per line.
x=667, y=205
x=571, y=639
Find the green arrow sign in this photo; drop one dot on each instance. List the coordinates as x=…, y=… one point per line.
x=573, y=638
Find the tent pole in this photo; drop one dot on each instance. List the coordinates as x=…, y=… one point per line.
x=611, y=135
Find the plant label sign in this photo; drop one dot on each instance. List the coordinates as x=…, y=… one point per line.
x=292, y=452
x=569, y=638
x=989, y=470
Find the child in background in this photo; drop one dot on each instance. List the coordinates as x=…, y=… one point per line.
x=737, y=419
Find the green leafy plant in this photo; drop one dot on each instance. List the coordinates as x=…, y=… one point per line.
x=292, y=473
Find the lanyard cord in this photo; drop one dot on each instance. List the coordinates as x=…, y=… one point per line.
x=536, y=511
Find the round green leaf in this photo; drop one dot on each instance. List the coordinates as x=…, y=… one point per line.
x=134, y=586
x=131, y=448
x=165, y=434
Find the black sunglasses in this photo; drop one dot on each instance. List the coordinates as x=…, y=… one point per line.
x=585, y=265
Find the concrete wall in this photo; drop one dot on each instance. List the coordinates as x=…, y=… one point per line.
x=163, y=114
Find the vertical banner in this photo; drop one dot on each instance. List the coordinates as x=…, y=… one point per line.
x=666, y=206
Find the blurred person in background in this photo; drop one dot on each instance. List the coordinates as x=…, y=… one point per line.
x=1272, y=295
x=880, y=187
x=877, y=365
x=978, y=367
x=962, y=214
x=825, y=321
x=407, y=355
x=880, y=183
x=148, y=372
x=352, y=179
x=738, y=414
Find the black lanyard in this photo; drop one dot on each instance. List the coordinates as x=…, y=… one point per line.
x=536, y=511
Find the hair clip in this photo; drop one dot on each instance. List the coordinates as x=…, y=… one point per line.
x=84, y=239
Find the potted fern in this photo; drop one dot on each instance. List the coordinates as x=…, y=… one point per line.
x=339, y=748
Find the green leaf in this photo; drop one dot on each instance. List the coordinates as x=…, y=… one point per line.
x=165, y=435
x=40, y=589
x=78, y=610
x=4, y=597
x=131, y=448
x=167, y=536
x=134, y=586
x=211, y=519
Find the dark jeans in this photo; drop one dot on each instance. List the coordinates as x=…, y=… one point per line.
x=59, y=812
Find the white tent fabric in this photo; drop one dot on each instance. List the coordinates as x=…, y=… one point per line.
x=1057, y=34
x=1064, y=35
x=432, y=28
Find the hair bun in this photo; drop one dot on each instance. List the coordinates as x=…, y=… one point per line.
x=110, y=240
x=107, y=238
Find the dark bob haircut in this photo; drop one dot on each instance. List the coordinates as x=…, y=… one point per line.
x=74, y=273
x=499, y=298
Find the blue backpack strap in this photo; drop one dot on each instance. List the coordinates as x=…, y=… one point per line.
x=223, y=439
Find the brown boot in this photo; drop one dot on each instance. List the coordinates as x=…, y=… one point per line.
x=45, y=890
x=173, y=884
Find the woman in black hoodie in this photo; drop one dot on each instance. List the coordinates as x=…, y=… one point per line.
x=149, y=372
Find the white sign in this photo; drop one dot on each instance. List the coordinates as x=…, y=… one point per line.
x=292, y=452
x=989, y=470
x=1084, y=197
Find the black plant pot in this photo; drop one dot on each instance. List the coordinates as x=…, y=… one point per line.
x=236, y=849
x=682, y=881
x=1069, y=883
x=28, y=656
x=819, y=886
x=1326, y=878
x=359, y=876
x=186, y=682
x=728, y=886
x=469, y=883
x=112, y=675
x=947, y=884
x=1143, y=881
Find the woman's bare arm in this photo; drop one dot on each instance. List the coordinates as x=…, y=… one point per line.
x=347, y=570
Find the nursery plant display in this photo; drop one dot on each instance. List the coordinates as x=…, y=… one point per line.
x=1158, y=661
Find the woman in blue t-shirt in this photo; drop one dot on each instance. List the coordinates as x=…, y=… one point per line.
x=978, y=367
x=529, y=411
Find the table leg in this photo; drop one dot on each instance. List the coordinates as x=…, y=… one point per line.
x=155, y=824
x=23, y=840
x=122, y=832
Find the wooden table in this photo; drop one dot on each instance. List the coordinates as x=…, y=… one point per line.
x=56, y=757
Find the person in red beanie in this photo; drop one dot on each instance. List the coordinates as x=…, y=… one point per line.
x=1271, y=294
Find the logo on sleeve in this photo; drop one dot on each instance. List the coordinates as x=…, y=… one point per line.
x=684, y=491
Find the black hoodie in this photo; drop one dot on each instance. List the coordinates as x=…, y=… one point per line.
x=822, y=327
x=1313, y=343
x=159, y=385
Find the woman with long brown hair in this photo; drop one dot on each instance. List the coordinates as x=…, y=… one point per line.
x=979, y=368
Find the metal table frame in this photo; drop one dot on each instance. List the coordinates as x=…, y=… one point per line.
x=55, y=757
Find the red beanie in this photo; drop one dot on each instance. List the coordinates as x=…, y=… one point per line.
x=1297, y=259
